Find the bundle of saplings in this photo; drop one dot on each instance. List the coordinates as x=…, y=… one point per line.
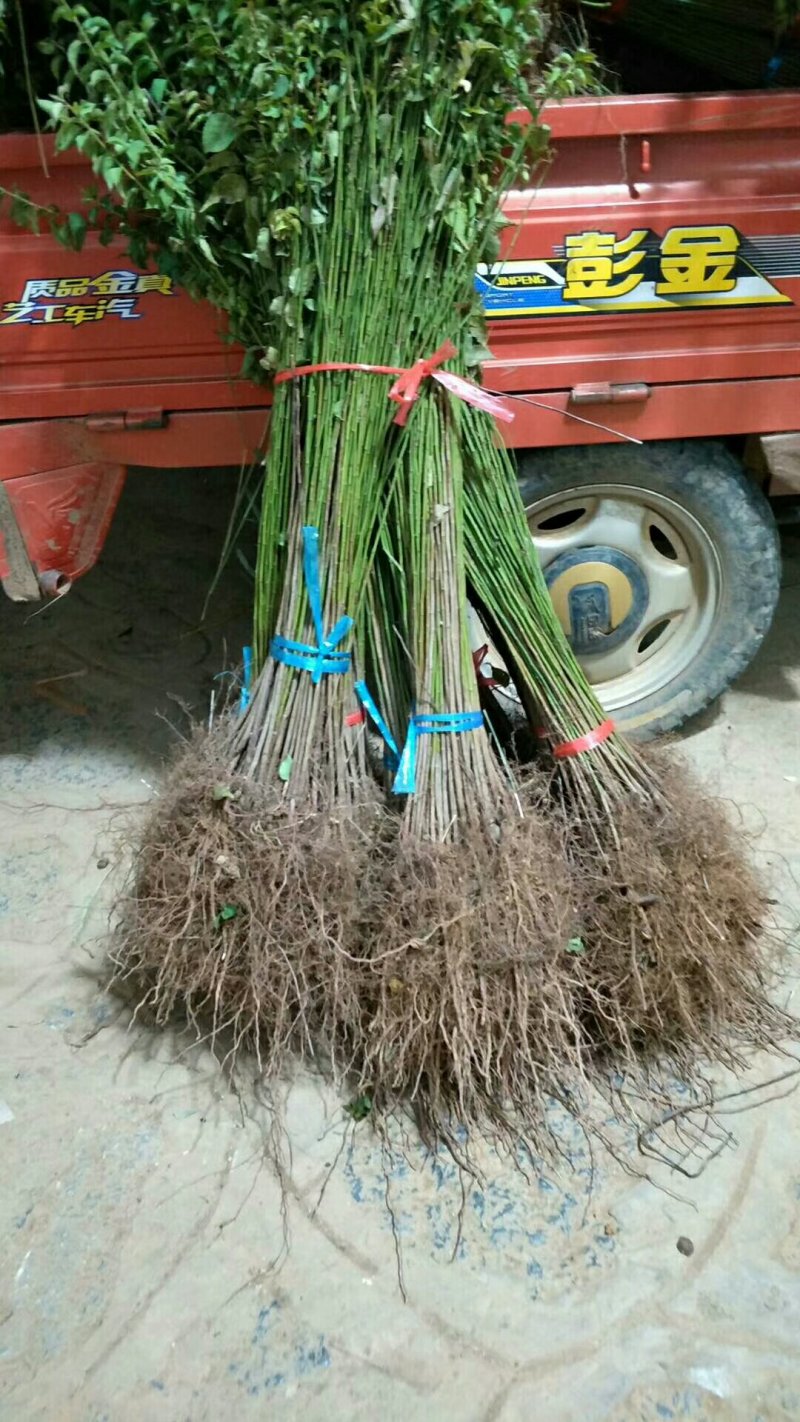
x=434, y=926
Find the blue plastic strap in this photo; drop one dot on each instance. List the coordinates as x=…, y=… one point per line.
x=306, y=658
x=247, y=677
x=434, y=724
x=321, y=660
x=392, y=756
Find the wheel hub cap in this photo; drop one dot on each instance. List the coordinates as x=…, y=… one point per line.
x=600, y=595
x=636, y=583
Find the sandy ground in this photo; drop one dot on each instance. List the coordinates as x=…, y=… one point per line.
x=144, y=1274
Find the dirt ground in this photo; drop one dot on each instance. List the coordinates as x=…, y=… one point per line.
x=145, y=1270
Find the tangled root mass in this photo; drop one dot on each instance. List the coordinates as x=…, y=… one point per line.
x=673, y=915
x=236, y=902
x=471, y=982
x=461, y=1008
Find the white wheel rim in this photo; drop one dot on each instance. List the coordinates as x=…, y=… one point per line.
x=664, y=555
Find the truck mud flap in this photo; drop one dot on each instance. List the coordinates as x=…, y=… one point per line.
x=53, y=526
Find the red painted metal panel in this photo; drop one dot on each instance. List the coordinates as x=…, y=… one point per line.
x=96, y=340
x=112, y=346
x=202, y=439
x=672, y=113
x=64, y=512
x=64, y=479
x=727, y=408
x=64, y=516
x=214, y=438
x=715, y=159
x=712, y=159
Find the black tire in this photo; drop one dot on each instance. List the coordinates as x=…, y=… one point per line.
x=703, y=477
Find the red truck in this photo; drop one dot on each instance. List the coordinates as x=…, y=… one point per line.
x=644, y=319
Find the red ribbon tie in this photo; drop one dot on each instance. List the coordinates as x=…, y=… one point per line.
x=584, y=743
x=478, y=658
x=406, y=388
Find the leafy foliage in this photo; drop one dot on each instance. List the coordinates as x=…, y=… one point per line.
x=217, y=126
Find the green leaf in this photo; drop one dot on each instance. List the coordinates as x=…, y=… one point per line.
x=231, y=188
x=109, y=171
x=226, y=913
x=76, y=229
x=359, y=1108
x=262, y=254
x=219, y=131
x=285, y=768
x=221, y=160
x=458, y=222
x=281, y=87
x=223, y=792
x=54, y=108
x=400, y=28
x=576, y=946
x=205, y=248
x=300, y=280
x=158, y=89
x=23, y=214
x=66, y=135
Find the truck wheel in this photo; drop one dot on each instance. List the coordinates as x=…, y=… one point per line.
x=663, y=564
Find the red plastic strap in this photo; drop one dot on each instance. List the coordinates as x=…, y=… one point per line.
x=584, y=743
x=356, y=718
x=478, y=657
x=406, y=387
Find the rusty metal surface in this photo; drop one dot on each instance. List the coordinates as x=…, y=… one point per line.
x=19, y=580
x=781, y=455
x=63, y=516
